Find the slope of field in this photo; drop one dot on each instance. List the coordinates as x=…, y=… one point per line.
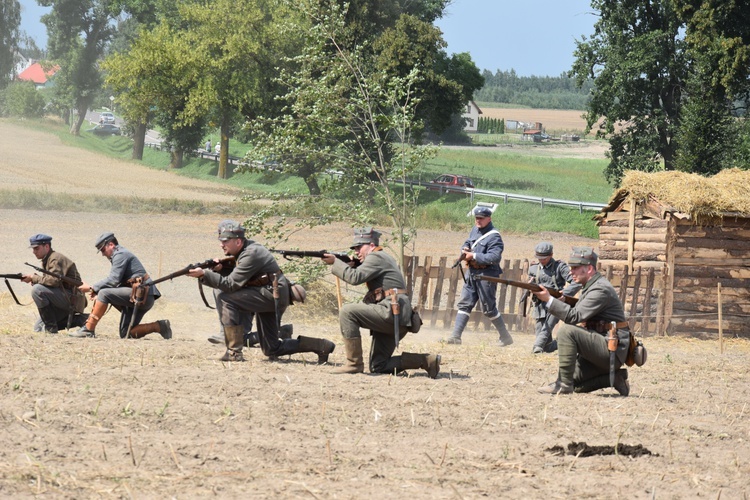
x=558, y=120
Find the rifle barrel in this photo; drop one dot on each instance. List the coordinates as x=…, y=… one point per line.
x=65, y=279
x=13, y=276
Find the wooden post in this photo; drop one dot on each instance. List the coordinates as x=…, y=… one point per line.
x=721, y=329
x=631, y=234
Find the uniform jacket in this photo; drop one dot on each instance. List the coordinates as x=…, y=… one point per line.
x=125, y=266
x=555, y=275
x=57, y=263
x=378, y=270
x=488, y=251
x=598, y=302
x=253, y=261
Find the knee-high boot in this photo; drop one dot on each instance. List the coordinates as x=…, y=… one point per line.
x=321, y=347
x=458, y=328
x=428, y=362
x=162, y=327
x=505, y=338
x=88, y=330
x=354, y=361
x=234, y=338
x=602, y=382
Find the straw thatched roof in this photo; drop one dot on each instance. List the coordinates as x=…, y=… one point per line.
x=700, y=197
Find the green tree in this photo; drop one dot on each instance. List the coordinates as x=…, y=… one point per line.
x=23, y=100
x=10, y=20
x=351, y=117
x=78, y=34
x=638, y=63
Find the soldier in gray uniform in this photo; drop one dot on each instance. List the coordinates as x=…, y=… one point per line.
x=56, y=301
x=381, y=274
x=584, y=360
x=554, y=274
x=117, y=289
x=482, y=251
x=248, y=289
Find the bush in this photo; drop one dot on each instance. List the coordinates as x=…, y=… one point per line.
x=21, y=99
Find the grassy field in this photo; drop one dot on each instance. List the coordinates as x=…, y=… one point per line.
x=493, y=169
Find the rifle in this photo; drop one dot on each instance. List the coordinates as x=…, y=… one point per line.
x=343, y=256
x=65, y=279
x=532, y=287
x=15, y=276
x=224, y=261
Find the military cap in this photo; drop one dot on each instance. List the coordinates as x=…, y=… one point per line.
x=230, y=229
x=543, y=249
x=480, y=211
x=103, y=239
x=365, y=236
x=39, y=239
x=582, y=256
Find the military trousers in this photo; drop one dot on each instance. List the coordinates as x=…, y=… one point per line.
x=582, y=354
x=237, y=305
x=543, y=327
x=119, y=298
x=56, y=298
x=377, y=318
x=480, y=291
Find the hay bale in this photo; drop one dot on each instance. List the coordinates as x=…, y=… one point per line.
x=701, y=197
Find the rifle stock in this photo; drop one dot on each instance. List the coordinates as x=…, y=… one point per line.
x=64, y=279
x=532, y=287
x=343, y=256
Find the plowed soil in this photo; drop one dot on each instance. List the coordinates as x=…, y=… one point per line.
x=150, y=418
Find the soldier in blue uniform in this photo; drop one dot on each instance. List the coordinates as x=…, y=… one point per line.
x=482, y=251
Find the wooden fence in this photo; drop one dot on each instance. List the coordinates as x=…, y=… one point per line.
x=435, y=288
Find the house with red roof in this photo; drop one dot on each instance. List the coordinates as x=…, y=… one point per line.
x=41, y=78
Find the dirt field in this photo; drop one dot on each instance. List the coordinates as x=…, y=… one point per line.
x=111, y=418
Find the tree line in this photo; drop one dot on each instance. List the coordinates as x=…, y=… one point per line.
x=544, y=92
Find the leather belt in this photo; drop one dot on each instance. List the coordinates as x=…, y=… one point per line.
x=263, y=279
x=603, y=326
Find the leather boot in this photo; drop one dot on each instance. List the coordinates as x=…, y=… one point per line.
x=505, y=338
x=88, y=330
x=428, y=362
x=235, y=337
x=321, y=347
x=251, y=339
x=140, y=331
x=354, y=361
x=458, y=328
x=622, y=386
x=556, y=387
x=48, y=319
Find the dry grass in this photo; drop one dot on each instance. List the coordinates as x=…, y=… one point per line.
x=728, y=191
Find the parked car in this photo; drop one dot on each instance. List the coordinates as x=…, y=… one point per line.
x=106, y=129
x=447, y=181
x=107, y=117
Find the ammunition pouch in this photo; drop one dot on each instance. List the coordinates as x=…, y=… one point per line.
x=262, y=280
x=139, y=291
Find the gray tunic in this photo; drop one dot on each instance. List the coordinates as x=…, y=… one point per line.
x=555, y=275
x=253, y=261
x=125, y=266
x=598, y=302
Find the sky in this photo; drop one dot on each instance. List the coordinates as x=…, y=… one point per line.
x=533, y=38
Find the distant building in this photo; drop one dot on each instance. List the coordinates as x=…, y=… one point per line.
x=471, y=116
x=41, y=78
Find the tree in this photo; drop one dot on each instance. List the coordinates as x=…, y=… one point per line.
x=350, y=116
x=10, y=20
x=23, y=100
x=638, y=62
x=78, y=34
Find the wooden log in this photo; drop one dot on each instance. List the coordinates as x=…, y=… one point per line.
x=712, y=272
x=502, y=290
x=647, y=223
x=639, y=237
x=410, y=261
x=699, y=295
x=709, y=282
x=709, y=262
x=631, y=235
x=656, y=265
x=646, y=313
x=425, y=282
x=720, y=232
x=738, y=308
x=643, y=246
x=450, y=303
x=665, y=307
x=624, y=286
x=639, y=256
x=731, y=324
x=634, y=298
x=715, y=242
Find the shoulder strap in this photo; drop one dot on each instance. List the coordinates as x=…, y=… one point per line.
x=494, y=231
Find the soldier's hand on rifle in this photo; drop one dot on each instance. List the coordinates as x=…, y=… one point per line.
x=543, y=295
x=196, y=273
x=85, y=288
x=468, y=254
x=26, y=278
x=328, y=258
